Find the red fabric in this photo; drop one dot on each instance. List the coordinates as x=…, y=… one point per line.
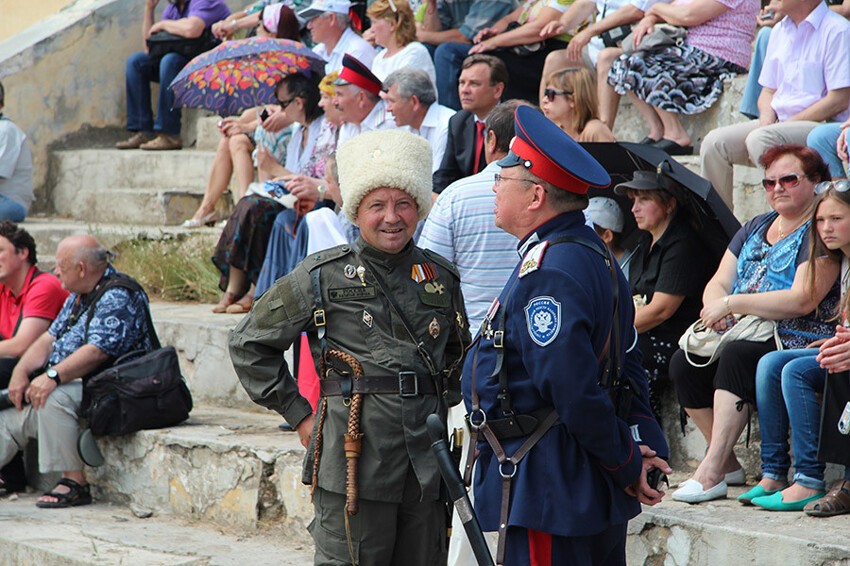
x=479, y=144
x=42, y=298
x=547, y=169
x=366, y=83
x=308, y=379
x=539, y=548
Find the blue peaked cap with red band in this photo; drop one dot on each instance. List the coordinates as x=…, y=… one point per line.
x=547, y=151
x=356, y=73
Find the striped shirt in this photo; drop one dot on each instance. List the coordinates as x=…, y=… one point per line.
x=461, y=227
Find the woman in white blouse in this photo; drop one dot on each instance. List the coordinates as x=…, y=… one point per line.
x=394, y=29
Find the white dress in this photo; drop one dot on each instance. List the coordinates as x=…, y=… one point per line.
x=414, y=55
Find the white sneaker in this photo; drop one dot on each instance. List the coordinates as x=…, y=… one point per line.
x=691, y=491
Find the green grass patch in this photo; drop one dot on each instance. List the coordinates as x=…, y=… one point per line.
x=172, y=270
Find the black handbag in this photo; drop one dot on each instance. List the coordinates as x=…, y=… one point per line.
x=162, y=42
x=834, y=444
x=146, y=392
x=142, y=390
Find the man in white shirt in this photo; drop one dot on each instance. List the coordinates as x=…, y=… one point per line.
x=358, y=97
x=412, y=100
x=330, y=28
x=805, y=80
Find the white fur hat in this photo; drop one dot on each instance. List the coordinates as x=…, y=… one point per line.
x=388, y=158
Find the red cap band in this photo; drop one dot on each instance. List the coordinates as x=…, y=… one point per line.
x=547, y=169
x=349, y=75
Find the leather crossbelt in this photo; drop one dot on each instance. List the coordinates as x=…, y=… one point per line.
x=405, y=384
x=517, y=426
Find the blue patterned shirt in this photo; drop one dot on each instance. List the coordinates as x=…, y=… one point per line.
x=118, y=323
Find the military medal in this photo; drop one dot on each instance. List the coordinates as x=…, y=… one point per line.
x=367, y=319
x=434, y=328
x=361, y=273
x=459, y=319
x=350, y=271
x=421, y=272
x=435, y=288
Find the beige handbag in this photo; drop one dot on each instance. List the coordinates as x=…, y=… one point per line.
x=699, y=340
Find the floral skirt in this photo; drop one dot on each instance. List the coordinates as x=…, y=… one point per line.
x=681, y=79
x=244, y=240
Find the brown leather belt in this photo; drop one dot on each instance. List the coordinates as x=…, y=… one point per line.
x=405, y=384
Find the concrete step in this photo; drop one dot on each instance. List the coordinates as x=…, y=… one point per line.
x=224, y=466
x=200, y=338
x=105, y=533
x=726, y=532
x=208, y=133
x=49, y=231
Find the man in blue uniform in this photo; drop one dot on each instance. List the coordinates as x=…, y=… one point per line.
x=565, y=445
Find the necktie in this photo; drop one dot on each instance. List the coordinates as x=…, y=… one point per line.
x=479, y=145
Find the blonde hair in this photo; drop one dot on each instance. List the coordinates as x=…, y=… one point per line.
x=326, y=85
x=581, y=83
x=405, y=29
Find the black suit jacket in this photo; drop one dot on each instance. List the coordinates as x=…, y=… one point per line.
x=459, y=159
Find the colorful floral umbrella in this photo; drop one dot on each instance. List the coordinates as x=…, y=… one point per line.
x=240, y=74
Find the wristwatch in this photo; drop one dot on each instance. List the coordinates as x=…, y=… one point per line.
x=322, y=190
x=54, y=375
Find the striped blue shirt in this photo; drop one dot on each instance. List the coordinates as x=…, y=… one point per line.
x=461, y=227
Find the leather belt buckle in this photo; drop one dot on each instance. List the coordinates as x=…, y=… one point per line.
x=403, y=379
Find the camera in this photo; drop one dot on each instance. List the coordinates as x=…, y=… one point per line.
x=613, y=36
x=655, y=477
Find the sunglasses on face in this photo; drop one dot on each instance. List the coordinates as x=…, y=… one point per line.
x=551, y=93
x=787, y=181
x=285, y=103
x=840, y=186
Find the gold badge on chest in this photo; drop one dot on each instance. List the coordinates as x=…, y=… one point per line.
x=435, y=287
x=434, y=328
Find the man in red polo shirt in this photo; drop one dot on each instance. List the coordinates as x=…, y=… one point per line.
x=29, y=301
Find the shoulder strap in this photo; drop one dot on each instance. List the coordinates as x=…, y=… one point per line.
x=610, y=360
x=420, y=345
x=122, y=280
x=35, y=274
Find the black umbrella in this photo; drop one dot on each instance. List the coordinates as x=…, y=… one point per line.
x=708, y=214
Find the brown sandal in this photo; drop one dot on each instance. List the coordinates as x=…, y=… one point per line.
x=835, y=502
x=241, y=306
x=227, y=300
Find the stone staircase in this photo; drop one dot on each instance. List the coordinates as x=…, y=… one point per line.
x=224, y=487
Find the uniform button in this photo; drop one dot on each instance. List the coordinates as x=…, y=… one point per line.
x=345, y=248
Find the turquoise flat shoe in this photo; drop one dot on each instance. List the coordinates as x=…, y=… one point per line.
x=774, y=502
x=757, y=491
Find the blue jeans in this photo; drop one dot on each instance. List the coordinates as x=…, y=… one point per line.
x=11, y=210
x=787, y=385
x=140, y=72
x=448, y=59
x=823, y=139
x=749, y=101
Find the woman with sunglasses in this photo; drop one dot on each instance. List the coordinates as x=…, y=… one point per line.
x=788, y=383
x=764, y=272
x=241, y=248
x=570, y=101
x=394, y=29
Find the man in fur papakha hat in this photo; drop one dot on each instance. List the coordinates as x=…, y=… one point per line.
x=391, y=314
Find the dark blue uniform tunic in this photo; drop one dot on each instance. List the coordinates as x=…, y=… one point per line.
x=558, y=318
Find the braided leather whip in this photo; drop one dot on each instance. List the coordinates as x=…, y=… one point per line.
x=353, y=436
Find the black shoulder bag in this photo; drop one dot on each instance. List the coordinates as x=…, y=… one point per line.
x=142, y=390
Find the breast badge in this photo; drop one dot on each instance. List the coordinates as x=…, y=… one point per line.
x=543, y=318
x=434, y=328
x=435, y=287
x=349, y=271
x=367, y=319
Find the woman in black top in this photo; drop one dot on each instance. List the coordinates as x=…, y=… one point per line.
x=667, y=274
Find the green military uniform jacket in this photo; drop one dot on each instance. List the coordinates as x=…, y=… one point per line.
x=360, y=322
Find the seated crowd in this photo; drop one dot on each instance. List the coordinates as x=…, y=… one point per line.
x=575, y=60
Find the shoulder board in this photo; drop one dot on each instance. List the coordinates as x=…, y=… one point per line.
x=325, y=256
x=532, y=260
x=443, y=262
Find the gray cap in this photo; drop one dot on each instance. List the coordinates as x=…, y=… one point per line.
x=605, y=213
